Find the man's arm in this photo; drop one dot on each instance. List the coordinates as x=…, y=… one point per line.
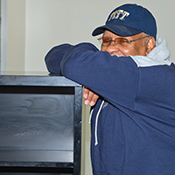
x=114, y=78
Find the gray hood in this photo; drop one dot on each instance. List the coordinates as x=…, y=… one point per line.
x=160, y=55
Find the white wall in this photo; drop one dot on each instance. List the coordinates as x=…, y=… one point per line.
x=13, y=35
x=32, y=27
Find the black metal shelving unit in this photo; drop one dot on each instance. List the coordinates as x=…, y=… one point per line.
x=40, y=125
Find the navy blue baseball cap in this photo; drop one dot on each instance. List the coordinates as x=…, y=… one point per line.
x=128, y=20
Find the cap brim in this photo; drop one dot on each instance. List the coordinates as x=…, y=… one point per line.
x=117, y=29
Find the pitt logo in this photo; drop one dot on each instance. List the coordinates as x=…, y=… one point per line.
x=119, y=13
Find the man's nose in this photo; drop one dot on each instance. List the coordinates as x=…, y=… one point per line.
x=112, y=47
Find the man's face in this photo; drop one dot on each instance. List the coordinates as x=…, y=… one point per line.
x=138, y=47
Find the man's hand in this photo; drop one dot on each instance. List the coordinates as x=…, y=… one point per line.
x=90, y=97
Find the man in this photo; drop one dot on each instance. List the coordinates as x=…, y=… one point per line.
x=133, y=120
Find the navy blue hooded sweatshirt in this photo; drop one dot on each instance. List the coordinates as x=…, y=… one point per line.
x=133, y=121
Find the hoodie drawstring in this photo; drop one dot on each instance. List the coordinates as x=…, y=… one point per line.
x=91, y=115
x=96, y=123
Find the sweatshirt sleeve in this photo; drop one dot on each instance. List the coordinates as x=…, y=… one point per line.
x=54, y=57
x=114, y=78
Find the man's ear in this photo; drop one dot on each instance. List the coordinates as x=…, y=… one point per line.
x=150, y=44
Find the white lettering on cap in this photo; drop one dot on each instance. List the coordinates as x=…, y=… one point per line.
x=119, y=13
